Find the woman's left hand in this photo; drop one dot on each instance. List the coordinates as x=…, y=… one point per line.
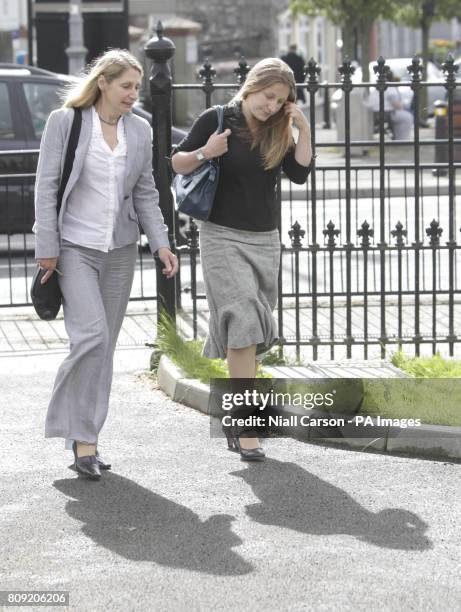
x=169, y=260
x=297, y=115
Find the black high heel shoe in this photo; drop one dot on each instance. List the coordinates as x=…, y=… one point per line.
x=233, y=444
x=86, y=466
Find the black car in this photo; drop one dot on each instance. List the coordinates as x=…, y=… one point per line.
x=27, y=97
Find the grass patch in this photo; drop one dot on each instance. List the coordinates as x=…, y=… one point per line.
x=427, y=367
x=435, y=401
x=187, y=354
x=427, y=395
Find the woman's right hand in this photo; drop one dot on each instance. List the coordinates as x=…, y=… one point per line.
x=49, y=265
x=216, y=144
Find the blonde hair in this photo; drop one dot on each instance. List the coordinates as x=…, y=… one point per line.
x=274, y=136
x=111, y=64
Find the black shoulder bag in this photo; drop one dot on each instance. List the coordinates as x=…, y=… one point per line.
x=47, y=297
x=195, y=192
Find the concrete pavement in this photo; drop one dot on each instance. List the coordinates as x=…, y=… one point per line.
x=22, y=332
x=181, y=524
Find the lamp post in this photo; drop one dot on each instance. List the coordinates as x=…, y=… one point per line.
x=76, y=51
x=161, y=49
x=126, y=23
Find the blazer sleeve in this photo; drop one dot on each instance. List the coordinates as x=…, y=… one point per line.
x=146, y=201
x=46, y=189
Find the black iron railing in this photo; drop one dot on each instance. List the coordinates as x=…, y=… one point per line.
x=370, y=254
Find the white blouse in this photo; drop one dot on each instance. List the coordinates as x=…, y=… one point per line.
x=94, y=202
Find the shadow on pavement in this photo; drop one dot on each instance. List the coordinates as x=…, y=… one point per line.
x=295, y=499
x=140, y=525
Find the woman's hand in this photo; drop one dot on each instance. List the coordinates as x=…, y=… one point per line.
x=216, y=144
x=298, y=117
x=169, y=260
x=49, y=265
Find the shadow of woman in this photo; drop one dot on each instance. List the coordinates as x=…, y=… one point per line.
x=140, y=525
x=293, y=498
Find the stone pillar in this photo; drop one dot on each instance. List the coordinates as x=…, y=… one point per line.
x=76, y=51
x=184, y=33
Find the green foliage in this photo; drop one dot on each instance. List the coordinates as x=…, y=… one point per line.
x=433, y=400
x=440, y=48
x=429, y=398
x=272, y=358
x=427, y=367
x=413, y=13
x=404, y=12
x=187, y=354
x=341, y=11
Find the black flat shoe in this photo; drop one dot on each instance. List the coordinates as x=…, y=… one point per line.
x=88, y=466
x=103, y=465
x=246, y=454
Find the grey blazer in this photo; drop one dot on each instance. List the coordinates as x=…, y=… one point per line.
x=141, y=196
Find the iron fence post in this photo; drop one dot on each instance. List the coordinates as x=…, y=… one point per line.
x=160, y=50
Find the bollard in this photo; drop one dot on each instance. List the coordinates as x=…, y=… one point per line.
x=441, y=132
x=160, y=50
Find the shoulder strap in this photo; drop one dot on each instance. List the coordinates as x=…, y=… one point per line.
x=70, y=154
x=220, y=113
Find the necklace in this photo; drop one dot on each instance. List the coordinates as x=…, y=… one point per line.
x=108, y=122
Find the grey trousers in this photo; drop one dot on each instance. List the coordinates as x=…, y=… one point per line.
x=96, y=287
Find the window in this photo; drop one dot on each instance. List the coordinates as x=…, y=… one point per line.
x=285, y=31
x=303, y=36
x=6, y=121
x=42, y=98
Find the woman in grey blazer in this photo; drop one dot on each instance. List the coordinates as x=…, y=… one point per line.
x=92, y=243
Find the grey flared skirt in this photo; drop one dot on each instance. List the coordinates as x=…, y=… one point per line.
x=240, y=270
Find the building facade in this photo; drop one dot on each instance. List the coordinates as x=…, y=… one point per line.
x=235, y=27
x=315, y=37
x=399, y=41
x=13, y=31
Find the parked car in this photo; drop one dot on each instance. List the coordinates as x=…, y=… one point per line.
x=27, y=97
x=399, y=68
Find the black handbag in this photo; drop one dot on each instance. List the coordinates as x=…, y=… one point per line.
x=47, y=297
x=195, y=192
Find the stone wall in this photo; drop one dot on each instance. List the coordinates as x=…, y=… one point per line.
x=234, y=27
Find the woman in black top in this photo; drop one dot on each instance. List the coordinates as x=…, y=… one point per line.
x=240, y=244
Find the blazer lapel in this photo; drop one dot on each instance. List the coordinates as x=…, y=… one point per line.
x=82, y=150
x=131, y=147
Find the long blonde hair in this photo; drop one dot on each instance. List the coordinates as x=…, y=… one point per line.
x=112, y=64
x=274, y=136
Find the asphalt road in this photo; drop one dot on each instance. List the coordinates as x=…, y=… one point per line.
x=182, y=524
